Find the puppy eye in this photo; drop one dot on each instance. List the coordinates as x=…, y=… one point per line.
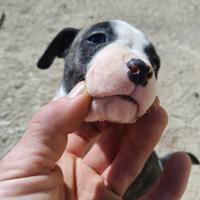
x=97, y=38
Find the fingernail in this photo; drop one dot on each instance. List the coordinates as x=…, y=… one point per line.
x=77, y=90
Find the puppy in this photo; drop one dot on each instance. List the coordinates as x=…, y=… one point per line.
x=120, y=66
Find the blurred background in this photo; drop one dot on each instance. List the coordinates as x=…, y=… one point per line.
x=27, y=26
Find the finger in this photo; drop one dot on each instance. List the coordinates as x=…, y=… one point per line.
x=174, y=179
x=91, y=185
x=78, y=145
x=79, y=141
x=137, y=146
x=45, y=138
x=105, y=148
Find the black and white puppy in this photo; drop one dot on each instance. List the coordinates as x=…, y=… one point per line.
x=108, y=49
x=130, y=76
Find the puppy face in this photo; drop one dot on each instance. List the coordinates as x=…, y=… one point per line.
x=119, y=65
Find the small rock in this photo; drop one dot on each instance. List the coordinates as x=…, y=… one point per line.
x=196, y=94
x=2, y=19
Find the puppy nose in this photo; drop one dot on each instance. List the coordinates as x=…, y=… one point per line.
x=139, y=72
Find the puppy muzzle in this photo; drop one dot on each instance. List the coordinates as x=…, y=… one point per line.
x=122, y=84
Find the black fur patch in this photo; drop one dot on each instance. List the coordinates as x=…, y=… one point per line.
x=83, y=50
x=153, y=58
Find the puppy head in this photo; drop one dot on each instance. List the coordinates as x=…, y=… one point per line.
x=117, y=61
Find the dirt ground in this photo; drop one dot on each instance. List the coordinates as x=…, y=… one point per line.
x=172, y=25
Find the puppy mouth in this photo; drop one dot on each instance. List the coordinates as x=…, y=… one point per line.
x=128, y=98
x=114, y=108
x=123, y=97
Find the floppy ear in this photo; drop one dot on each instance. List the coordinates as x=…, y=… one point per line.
x=57, y=47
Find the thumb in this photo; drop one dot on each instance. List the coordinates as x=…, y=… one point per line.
x=45, y=138
x=64, y=115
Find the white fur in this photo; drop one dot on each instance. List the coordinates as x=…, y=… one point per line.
x=131, y=37
x=60, y=92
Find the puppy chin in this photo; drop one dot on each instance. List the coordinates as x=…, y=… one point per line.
x=113, y=109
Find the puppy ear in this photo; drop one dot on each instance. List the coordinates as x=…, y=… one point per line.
x=57, y=47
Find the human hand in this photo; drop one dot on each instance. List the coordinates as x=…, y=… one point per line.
x=62, y=158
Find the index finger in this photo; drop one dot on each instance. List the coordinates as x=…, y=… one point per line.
x=135, y=150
